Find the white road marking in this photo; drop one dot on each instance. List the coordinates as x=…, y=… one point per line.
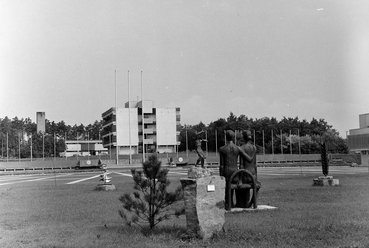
x=123, y=174
x=85, y=179
x=31, y=180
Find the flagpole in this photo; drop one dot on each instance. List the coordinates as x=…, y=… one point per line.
x=31, y=147
x=281, y=143
x=143, y=123
x=129, y=121
x=186, y=144
x=216, y=143
x=19, y=143
x=54, y=148
x=263, y=144
x=65, y=153
x=7, y=147
x=298, y=134
x=290, y=143
x=272, y=144
x=2, y=146
x=206, y=137
x=116, y=118
x=79, y=145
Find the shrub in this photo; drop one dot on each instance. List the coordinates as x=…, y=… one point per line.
x=150, y=201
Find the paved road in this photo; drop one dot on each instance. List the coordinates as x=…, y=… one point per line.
x=75, y=178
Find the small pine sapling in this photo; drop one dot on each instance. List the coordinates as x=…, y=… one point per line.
x=150, y=201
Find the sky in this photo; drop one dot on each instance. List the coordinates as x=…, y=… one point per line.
x=267, y=58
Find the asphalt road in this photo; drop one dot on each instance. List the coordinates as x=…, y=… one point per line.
x=75, y=178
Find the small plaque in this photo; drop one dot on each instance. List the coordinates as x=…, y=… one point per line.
x=211, y=187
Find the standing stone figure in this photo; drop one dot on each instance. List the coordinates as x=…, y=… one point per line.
x=199, y=151
x=243, y=195
x=229, y=154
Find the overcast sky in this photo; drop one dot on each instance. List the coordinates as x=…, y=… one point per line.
x=258, y=58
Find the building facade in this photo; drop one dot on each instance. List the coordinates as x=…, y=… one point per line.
x=358, y=139
x=41, y=122
x=126, y=132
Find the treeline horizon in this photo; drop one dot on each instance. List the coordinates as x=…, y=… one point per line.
x=288, y=135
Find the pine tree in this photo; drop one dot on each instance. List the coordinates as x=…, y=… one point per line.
x=150, y=201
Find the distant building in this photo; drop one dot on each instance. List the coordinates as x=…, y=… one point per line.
x=41, y=122
x=84, y=148
x=358, y=139
x=157, y=132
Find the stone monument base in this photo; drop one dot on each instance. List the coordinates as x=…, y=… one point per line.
x=204, y=204
x=105, y=187
x=326, y=181
x=259, y=208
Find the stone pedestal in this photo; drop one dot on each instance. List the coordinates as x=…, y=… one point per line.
x=204, y=204
x=325, y=181
x=105, y=187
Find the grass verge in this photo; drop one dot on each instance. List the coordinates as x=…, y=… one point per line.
x=78, y=216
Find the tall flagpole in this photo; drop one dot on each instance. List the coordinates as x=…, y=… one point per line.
x=7, y=147
x=272, y=144
x=216, y=143
x=206, y=137
x=186, y=144
x=19, y=143
x=43, y=146
x=65, y=143
x=31, y=147
x=143, y=123
x=116, y=119
x=290, y=143
x=281, y=143
x=298, y=134
x=263, y=144
x=54, y=148
x=129, y=120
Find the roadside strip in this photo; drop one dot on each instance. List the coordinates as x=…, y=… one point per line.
x=85, y=179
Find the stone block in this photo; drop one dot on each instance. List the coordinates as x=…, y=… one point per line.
x=105, y=187
x=204, y=205
x=326, y=181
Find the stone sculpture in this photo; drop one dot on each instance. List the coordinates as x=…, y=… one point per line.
x=199, y=151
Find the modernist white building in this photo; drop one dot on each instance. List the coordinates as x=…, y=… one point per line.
x=358, y=139
x=125, y=129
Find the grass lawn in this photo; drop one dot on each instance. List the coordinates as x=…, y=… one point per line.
x=78, y=216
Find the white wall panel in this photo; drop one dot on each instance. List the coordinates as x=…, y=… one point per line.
x=123, y=127
x=166, y=126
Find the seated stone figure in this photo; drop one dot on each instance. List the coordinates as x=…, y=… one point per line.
x=243, y=195
x=229, y=154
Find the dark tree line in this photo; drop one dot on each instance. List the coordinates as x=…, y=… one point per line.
x=17, y=135
x=270, y=134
